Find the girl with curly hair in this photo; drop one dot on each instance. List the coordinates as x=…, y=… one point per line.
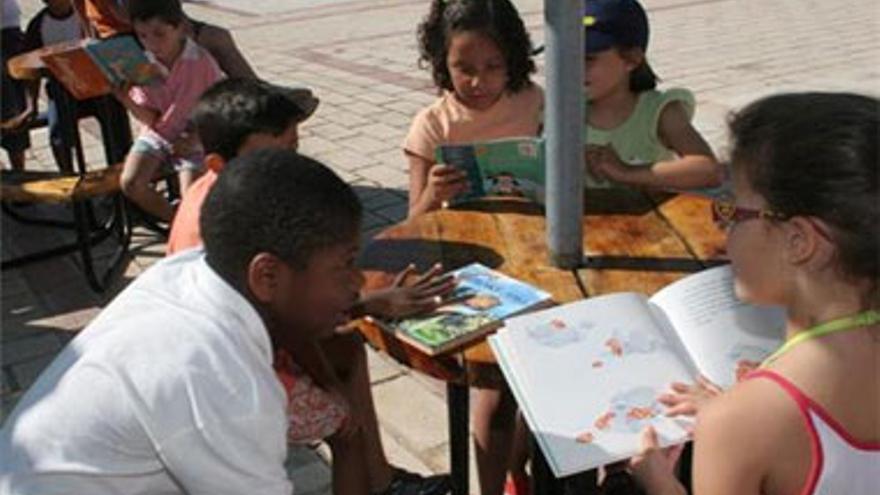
x=479, y=54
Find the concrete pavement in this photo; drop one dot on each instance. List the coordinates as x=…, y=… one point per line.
x=360, y=57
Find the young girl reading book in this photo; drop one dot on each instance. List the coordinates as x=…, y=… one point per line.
x=806, y=178
x=636, y=135
x=479, y=55
x=164, y=108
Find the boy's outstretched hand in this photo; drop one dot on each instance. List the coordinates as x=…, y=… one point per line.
x=687, y=400
x=404, y=299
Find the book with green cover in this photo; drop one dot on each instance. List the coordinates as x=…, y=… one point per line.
x=91, y=68
x=482, y=299
x=512, y=167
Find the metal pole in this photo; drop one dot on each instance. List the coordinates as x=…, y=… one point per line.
x=564, y=33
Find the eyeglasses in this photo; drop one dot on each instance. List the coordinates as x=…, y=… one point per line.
x=726, y=213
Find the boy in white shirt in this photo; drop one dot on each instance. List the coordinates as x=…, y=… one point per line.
x=171, y=388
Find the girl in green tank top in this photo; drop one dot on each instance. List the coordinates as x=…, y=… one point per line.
x=636, y=135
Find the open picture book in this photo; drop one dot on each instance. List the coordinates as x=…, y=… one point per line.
x=482, y=299
x=90, y=68
x=587, y=374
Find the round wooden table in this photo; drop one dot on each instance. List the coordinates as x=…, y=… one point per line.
x=632, y=242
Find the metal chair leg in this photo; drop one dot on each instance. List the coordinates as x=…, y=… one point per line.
x=457, y=400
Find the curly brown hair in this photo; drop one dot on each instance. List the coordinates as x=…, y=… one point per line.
x=497, y=19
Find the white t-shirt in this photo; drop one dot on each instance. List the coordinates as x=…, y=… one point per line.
x=54, y=30
x=11, y=14
x=169, y=390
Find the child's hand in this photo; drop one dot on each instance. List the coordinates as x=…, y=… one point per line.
x=444, y=183
x=120, y=92
x=687, y=400
x=654, y=467
x=401, y=299
x=603, y=163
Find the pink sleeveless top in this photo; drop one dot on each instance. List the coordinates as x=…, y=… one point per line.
x=840, y=463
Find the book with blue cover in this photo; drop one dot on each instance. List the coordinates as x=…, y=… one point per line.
x=482, y=299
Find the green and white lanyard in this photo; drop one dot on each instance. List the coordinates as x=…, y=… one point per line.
x=852, y=322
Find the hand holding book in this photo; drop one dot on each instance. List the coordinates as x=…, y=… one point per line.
x=687, y=400
x=445, y=182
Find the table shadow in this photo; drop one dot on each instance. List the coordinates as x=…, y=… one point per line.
x=393, y=255
x=596, y=202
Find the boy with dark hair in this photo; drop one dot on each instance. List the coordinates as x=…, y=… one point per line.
x=329, y=398
x=171, y=388
x=108, y=18
x=164, y=108
x=232, y=117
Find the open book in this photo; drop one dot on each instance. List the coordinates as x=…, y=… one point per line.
x=90, y=68
x=481, y=300
x=504, y=167
x=587, y=374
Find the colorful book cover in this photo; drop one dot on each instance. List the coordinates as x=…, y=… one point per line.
x=479, y=303
x=505, y=167
x=91, y=68
x=123, y=60
x=74, y=68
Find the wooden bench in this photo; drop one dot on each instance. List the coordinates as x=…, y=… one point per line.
x=79, y=191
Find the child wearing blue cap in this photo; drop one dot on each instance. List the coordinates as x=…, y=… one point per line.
x=636, y=135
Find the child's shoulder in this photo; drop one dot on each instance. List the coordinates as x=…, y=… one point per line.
x=529, y=95
x=660, y=98
x=755, y=410
x=194, y=52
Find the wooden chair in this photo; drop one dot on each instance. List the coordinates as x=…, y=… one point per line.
x=81, y=192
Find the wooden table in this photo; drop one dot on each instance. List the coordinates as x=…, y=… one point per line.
x=632, y=242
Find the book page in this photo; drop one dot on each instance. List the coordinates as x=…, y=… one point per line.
x=724, y=336
x=587, y=376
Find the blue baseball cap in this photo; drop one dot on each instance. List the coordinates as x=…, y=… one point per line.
x=614, y=23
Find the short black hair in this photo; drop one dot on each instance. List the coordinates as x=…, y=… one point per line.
x=169, y=11
x=233, y=109
x=818, y=154
x=497, y=19
x=279, y=202
x=643, y=78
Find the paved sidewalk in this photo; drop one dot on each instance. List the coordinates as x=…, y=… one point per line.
x=360, y=57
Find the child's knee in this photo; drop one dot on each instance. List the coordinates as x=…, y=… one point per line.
x=135, y=176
